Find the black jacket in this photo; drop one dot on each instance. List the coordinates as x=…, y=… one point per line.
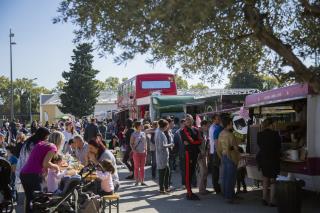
x=90, y=132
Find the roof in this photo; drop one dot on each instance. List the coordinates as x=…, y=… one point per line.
x=46, y=97
x=168, y=101
x=205, y=93
x=105, y=97
x=293, y=92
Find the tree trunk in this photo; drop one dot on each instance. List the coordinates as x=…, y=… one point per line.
x=267, y=38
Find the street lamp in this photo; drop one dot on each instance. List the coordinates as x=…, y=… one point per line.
x=11, y=35
x=30, y=103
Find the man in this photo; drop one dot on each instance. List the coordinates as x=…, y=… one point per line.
x=81, y=148
x=91, y=130
x=127, y=155
x=191, y=138
x=227, y=150
x=202, y=159
x=214, y=160
x=68, y=133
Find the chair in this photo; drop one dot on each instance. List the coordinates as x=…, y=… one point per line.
x=109, y=201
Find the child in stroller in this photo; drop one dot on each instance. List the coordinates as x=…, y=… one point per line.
x=6, y=200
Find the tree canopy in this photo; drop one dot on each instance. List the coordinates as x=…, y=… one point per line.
x=181, y=83
x=112, y=83
x=199, y=86
x=81, y=90
x=23, y=89
x=206, y=37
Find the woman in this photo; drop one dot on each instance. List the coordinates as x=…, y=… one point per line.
x=21, y=137
x=138, y=144
x=229, y=153
x=41, y=134
x=97, y=153
x=162, y=155
x=39, y=161
x=69, y=134
x=268, y=159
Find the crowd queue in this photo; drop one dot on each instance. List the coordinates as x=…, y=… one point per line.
x=37, y=156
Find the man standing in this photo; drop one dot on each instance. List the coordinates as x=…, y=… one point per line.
x=203, y=159
x=103, y=130
x=214, y=160
x=191, y=138
x=91, y=130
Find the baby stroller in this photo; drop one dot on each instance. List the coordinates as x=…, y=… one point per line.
x=6, y=198
x=68, y=200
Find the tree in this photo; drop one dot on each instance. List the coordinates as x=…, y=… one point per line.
x=181, y=83
x=112, y=83
x=124, y=79
x=80, y=93
x=245, y=79
x=23, y=88
x=199, y=86
x=207, y=37
x=59, y=87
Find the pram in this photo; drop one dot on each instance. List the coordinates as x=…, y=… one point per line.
x=69, y=199
x=6, y=199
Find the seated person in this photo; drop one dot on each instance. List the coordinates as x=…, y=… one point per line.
x=54, y=177
x=105, y=176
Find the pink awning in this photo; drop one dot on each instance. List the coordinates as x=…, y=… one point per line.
x=294, y=92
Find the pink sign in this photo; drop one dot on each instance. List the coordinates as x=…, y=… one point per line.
x=278, y=95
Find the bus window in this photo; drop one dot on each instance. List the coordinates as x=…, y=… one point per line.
x=155, y=84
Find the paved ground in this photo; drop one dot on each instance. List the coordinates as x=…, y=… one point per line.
x=148, y=200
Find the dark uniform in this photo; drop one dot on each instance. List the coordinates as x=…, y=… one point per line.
x=193, y=137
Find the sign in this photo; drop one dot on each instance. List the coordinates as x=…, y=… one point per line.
x=240, y=124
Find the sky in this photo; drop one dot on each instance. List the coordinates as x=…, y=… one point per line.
x=44, y=49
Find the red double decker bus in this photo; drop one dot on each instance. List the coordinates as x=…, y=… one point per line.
x=134, y=94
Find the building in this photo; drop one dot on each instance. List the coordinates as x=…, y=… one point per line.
x=49, y=111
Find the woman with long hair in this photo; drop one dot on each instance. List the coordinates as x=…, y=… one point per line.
x=97, y=153
x=138, y=143
x=41, y=134
x=38, y=162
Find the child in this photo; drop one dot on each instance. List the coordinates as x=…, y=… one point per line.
x=241, y=174
x=105, y=175
x=54, y=177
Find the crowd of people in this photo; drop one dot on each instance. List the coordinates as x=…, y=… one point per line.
x=167, y=145
x=195, y=148
x=38, y=156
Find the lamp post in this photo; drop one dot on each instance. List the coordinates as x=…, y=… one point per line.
x=11, y=35
x=30, y=103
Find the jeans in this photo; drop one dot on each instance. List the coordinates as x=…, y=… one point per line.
x=139, y=162
x=229, y=177
x=164, y=175
x=203, y=173
x=153, y=164
x=30, y=183
x=214, y=164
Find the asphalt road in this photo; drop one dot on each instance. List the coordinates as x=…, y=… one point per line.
x=147, y=199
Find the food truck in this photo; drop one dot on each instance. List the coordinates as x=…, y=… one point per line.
x=296, y=113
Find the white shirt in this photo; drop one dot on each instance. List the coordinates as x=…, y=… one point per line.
x=106, y=181
x=54, y=179
x=211, y=138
